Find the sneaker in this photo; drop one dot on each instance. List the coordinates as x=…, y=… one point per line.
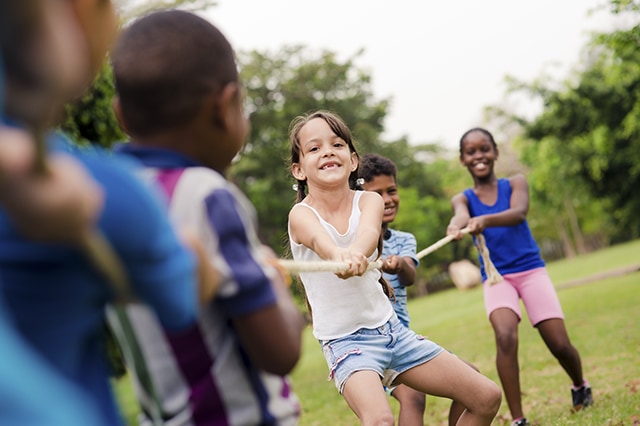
x=520, y=422
x=581, y=397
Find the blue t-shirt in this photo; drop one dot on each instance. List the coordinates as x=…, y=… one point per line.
x=56, y=297
x=512, y=248
x=400, y=244
x=34, y=394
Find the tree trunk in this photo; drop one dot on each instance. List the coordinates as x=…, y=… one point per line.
x=575, y=226
x=569, y=251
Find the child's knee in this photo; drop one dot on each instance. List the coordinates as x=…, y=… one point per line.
x=490, y=399
x=410, y=398
x=381, y=418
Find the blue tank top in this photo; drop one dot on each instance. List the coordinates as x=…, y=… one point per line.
x=512, y=248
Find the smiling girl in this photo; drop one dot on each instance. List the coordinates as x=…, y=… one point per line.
x=361, y=337
x=498, y=208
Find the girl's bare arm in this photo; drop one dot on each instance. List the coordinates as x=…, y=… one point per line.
x=369, y=229
x=514, y=215
x=461, y=216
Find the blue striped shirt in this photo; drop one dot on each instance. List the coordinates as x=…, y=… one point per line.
x=401, y=244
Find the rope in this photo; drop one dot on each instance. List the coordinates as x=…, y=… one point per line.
x=438, y=244
x=493, y=276
x=295, y=267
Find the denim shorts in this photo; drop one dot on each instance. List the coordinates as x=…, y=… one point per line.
x=389, y=350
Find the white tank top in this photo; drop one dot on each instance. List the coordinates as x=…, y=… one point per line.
x=340, y=307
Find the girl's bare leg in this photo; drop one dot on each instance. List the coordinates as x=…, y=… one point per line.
x=555, y=336
x=412, y=406
x=448, y=376
x=505, y=327
x=365, y=395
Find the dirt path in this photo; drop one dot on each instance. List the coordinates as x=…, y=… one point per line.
x=601, y=275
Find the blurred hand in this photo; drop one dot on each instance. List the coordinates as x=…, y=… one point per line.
x=62, y=205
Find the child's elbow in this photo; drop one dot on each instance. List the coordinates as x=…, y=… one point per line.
x=520, y=216
x=284, y=362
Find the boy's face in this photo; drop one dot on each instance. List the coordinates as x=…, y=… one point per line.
x=236, y=131
x=385, y=185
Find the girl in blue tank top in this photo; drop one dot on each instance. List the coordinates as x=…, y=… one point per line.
x=498, y=208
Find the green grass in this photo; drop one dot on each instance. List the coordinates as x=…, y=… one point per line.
x=602, y=319
x=614, y=257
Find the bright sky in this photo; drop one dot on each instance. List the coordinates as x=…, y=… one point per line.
x=440, y=62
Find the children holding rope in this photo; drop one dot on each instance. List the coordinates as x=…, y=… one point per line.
x=378, y=174
x=497, y=208
x=180, y=100
x=361, y=337
x=53, y=291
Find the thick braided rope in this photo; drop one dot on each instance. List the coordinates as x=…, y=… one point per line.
x=294, y=267
x=493, y=276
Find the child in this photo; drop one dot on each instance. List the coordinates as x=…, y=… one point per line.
x=32, y=392
x=378, y=174
x=362, y=339
x=180, y=100
x=54, y=294
x=498, y=209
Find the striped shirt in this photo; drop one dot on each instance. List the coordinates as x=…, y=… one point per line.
x=400, y=244
x=203, y=376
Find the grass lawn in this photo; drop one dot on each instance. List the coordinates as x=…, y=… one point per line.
x=602, y=319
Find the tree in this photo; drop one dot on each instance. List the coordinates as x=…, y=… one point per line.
x=280, y=86
x=583, y=148
x=91, y=119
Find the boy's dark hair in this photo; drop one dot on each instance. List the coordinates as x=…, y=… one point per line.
x=164, y=65
x=373, y=165
x=480, y=130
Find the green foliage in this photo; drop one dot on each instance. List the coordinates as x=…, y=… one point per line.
x=583, y=150
x=91, y=119
x=279, y=87
x=292, y=81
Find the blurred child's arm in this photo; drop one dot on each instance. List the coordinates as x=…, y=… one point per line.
x=461, y=216
x=62, y=205
x=272, y=336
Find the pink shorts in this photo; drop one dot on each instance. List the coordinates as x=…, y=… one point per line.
x=535, y=289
